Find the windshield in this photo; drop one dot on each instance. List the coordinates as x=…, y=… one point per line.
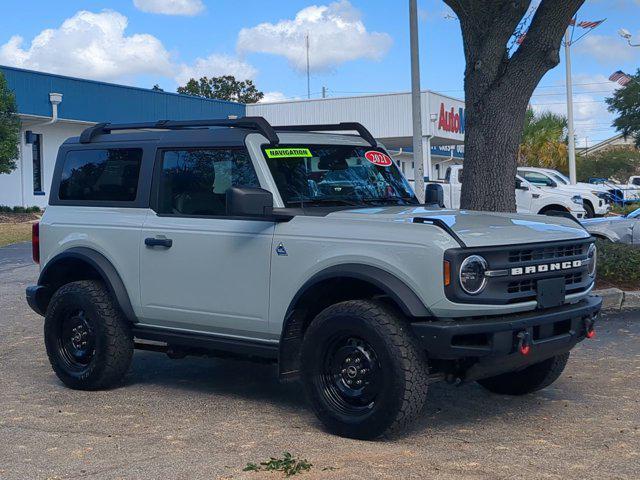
x=321, y=175
x=634, y=214
x=560, y=178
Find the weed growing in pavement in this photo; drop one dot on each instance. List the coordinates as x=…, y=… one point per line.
x=287, y=464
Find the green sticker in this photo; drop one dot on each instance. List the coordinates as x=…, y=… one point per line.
x=288, y=152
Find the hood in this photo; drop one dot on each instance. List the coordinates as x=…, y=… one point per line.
x=604, y=220
x=478, y=229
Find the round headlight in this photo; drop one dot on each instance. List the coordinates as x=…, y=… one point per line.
x=472, y=270
x=592, y=256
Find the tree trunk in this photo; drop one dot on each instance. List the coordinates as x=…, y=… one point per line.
x=498, y=88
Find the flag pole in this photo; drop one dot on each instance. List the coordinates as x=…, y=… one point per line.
x=571, y=133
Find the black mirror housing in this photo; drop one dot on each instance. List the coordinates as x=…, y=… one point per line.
x=249, y=202
x=434, y=195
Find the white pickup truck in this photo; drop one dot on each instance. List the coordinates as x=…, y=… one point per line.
x=529, y=198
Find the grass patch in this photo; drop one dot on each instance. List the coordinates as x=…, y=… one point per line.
x=14, y=233
x=624, y=209
x=287, y=464
x=618, y=265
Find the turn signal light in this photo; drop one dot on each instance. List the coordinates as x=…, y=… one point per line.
x=447, y=273
x=591, y=333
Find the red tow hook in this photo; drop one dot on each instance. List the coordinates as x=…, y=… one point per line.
x=524, y=342
x=589, y=327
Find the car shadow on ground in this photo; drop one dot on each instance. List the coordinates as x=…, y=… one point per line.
x=448, y=407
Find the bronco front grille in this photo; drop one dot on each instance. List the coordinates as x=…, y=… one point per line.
x=546, y=253
x=530, y=285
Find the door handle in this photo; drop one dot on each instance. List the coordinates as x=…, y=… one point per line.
x=158, y=242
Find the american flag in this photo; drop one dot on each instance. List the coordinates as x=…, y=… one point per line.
x=588, y=24
x=620, y=77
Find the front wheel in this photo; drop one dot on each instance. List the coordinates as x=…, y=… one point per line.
x=88, y=340
x=362, y=372
x=529, y=380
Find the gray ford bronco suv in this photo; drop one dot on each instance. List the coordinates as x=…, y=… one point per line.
x=302, y=247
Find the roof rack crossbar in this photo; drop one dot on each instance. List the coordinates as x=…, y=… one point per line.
x=254, y=123
x=343, y=126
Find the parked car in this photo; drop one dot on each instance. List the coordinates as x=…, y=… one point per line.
x=618, y=229
x=529, y=197
x=619, y=193
x=180, y=238
x=595, y=198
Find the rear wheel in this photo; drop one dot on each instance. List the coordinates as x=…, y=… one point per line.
x=362, y=372
x=88, y=341
x=531, y=379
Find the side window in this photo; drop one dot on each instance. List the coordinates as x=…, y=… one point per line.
x=537, y=179
x=102, y=175
x=195, y=182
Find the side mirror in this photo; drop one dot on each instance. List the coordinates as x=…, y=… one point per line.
x=249, y=202
x=434, y=195
x=520, y=186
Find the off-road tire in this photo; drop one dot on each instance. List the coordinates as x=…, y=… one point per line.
x=402, y=370
x=529, y=380
x=110, y=332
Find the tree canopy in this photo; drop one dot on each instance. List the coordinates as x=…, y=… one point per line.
x=625, y=102
x=9, y=128
x=223, y=88
x=544, y=140
x=616, y=163
x=503, y=68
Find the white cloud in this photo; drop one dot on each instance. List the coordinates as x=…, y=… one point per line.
x=213, y=66
x=271, y=97
x=336, y=35
x=591, y=118
x=92, y=45
x=606, y=49
x=170, y=7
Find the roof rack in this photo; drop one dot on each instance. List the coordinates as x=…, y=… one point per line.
x=344, y=126
x=254, y=123
x=258, y=124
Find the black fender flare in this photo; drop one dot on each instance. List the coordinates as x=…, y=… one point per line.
x=396, y=289
x=100, y=264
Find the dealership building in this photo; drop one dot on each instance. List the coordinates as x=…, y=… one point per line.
x=53, y=108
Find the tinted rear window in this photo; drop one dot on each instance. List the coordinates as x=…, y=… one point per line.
x=107, y=175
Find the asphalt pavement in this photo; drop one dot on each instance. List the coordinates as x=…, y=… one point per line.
x=205, y=418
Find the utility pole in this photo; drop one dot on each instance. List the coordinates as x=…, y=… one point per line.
x=308, y=74
x=416, y=110
x=571, y=133
x=324, y=92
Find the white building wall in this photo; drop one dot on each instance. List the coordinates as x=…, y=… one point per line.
x=16, y=188
x=385, y=116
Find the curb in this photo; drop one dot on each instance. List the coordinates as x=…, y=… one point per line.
x=614, y=299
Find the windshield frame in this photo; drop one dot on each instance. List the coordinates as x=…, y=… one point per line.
x=398, y=191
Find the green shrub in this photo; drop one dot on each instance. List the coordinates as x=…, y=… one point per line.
x=18, y=209
x=619, y=264
x=624, y=209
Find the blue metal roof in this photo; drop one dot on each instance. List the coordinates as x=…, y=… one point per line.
x=93, y=101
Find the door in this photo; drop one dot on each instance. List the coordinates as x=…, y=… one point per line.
x=523, y=195
x=200, y=269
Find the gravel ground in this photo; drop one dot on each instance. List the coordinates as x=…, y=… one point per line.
x=206, y=418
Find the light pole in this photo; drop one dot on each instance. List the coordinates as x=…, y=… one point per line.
x=571, y=133
x=416, y=110
x=626, y=34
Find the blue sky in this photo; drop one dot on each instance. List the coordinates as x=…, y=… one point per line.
x=357, y=46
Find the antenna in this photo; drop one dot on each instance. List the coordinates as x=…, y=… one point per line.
x=308, y=76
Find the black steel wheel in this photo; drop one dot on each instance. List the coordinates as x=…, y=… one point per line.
x=88, y=340
x=76, y=340
x=361, y=369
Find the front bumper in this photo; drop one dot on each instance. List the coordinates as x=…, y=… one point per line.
x=493, y=345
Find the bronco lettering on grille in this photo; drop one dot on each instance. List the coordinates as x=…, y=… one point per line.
x=547, y=267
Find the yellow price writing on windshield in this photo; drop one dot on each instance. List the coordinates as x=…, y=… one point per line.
x=288, y=152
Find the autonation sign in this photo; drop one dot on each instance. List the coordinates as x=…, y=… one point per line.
x=451, y=120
